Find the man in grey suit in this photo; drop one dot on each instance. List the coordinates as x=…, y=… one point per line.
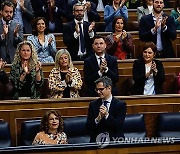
x=11, y=33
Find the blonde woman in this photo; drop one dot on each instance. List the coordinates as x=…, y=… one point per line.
x=26, y=73
x=64, y=79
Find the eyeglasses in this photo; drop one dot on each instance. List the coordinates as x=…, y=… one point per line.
x=100, y=89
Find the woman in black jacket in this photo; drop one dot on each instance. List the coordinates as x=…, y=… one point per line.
x=148, y=73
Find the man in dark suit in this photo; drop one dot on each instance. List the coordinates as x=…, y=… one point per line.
x=23, y=14
x=98, y=65
x=160, y=29
x=90, y=13
x=53, y=11
x=106, y=114
x=11, y=33
x=79, y=46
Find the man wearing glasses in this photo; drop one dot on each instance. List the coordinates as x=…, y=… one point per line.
x=78, y=35
x=100, y=64
x=105, y=115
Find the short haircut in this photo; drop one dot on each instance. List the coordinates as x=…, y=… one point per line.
x=105, y=80
x=150, y=45
x=77, y=4
x=115, y=20
x=7, y=3
x=99, y=37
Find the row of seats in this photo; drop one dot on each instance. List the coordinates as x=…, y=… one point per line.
x=168, y=125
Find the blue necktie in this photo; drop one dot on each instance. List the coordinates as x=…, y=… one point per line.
x=105, y=104
x=81, y=39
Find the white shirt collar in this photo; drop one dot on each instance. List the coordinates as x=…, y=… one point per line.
x=76, y=21
x=109, y=99
x=97, y=57
x=83, y=2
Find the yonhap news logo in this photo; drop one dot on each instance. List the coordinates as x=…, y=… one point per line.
x=103, y=139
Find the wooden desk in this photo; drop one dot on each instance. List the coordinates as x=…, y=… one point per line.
x=16, y=111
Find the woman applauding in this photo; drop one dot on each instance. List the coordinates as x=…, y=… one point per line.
x=45, y=43
x=148, y=73
x=26, y=73
x=64, y=79
x=119, y=43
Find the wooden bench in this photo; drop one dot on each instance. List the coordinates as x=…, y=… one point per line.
x=16, y=111
x=138, y=45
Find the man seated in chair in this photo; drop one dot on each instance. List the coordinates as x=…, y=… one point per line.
x=105, y=115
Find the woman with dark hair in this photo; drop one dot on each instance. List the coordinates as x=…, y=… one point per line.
x=145, y=9
x=45, y=43
x=64, y=79
x=111, y=11
x=175, y=13
x=26, y=73
x=119, y=43
x=148, y=73
x=51, y=130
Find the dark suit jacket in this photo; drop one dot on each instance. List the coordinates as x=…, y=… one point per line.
x=57, y=16
x=12, y=41
x=27, y=17
x=140, y=77
x=73, y=43
x=91, y=69
x=105, y=2
x=92, y=13
x=113, y=124
x=145, y=26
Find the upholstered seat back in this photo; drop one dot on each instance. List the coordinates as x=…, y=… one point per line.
x=75, y=130
x=29, y=129
x=134, y=126
x=168, y=125
x=5, y=136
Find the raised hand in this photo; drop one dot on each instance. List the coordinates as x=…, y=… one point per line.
x=87, y=6
x=153, y=67
x=124, y=34
x=103, y=66
x=16, y=30
x=38, y=67
x=68, y=76
x=50, y=40
x=91, y=26
x=163, y=22
x=5, y=29
x=2, y=64
x=122, y=3
x=25, y=67
x=77, y=29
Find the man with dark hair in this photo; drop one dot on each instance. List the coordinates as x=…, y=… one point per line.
x=11, y=33
x=100, y=64
x=78, y=35
x=106, y=114
x=90, y=13
x=160, y=29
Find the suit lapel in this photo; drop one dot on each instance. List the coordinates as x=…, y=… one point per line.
x=94, y=63
x=111, y=108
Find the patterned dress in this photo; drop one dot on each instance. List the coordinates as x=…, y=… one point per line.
x=57, y=85
x=43, y=139
x=45, y=51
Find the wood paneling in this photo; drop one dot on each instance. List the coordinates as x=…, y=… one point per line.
x=14, y=111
